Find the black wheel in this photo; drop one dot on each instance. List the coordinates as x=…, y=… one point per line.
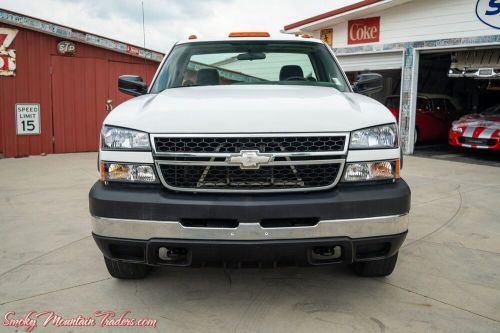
x=126, y=270
x=382, y=267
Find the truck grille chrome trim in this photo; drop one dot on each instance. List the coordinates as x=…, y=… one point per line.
x=226, y=165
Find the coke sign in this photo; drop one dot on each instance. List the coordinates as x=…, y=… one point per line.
x=364, y=30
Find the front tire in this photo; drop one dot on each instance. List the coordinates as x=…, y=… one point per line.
x=126, y=270
x=381, y=267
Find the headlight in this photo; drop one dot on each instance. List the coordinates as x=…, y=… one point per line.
x=385, y=136
x=366, y=171
x=456, y=129
x=121, y=138
x=127, y=172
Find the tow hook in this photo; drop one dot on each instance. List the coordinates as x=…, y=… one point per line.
x=172, y=253
x=326, y=253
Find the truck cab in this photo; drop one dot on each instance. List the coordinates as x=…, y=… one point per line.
x=249, y=149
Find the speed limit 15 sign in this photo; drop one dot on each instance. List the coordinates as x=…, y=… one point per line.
x=28, y=119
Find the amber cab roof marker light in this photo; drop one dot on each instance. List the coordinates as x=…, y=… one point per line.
x=193, y=37
x=307, y=36
x=250, y=34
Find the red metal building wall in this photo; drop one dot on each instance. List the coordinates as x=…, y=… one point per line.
x=71, y=91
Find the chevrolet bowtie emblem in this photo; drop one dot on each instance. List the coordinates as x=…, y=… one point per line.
x=249, y=159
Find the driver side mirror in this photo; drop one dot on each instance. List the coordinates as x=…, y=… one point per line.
x=368, y=83
x=132, y=85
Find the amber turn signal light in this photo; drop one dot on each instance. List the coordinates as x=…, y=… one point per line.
x=102, y=172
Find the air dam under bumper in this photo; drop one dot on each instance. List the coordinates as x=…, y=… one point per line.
x=364, y=222
x=301, y=252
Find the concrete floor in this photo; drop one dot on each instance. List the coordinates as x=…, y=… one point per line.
x=447, y=278
x=443, y=151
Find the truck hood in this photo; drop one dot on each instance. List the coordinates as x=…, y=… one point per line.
x=249, y=109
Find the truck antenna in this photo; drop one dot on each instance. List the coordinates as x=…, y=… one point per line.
x=144, y=41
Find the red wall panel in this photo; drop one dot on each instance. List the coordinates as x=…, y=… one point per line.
x=78, y=104
x=30, y=85
x=85, y=84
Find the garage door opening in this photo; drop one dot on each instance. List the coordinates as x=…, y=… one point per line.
x=451, y=85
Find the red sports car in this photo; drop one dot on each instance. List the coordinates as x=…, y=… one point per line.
x=435, y=114
x=477, y=131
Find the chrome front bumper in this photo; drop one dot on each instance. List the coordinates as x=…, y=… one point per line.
x=352, y=228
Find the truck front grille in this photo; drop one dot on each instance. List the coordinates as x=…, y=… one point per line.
x=263, y=144
x=251, y=163
x=280, y=177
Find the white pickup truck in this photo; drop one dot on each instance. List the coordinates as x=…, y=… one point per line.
x=249, y=150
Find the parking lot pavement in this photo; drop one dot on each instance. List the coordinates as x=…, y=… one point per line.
x=447, y=278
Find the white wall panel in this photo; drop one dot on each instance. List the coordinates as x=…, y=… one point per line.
x=423, y=20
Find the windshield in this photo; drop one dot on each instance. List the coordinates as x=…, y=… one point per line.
x=226, y=63
x=494, y=110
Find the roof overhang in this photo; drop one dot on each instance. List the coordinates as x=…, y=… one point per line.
x=61, y=31
x=328, y=19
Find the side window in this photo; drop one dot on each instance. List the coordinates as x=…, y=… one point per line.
x=423, y=104
x=392, y=102
x=449, y=106
x=439, y=105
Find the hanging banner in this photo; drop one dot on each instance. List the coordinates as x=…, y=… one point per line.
x=7, y=57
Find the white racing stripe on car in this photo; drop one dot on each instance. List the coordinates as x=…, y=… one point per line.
x=487, y=133
x=469, y=132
